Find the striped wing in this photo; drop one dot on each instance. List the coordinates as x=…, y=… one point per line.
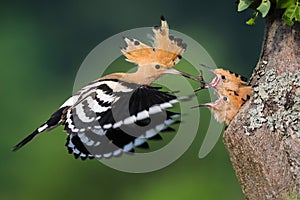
x=111, y=117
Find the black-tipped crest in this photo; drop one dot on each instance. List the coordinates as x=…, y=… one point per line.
x=167, y=53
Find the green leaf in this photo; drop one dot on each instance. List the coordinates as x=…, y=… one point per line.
x=264, y=7
x=244, y=4
x=253, y=20
x=284, y=3
x=297, y=16
x=292, y=13
x=287, y=20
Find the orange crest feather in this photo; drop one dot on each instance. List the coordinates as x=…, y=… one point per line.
x=166, y=50
x=229, y=80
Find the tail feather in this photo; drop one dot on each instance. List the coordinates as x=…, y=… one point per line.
x=25, y=140
x=54, y=121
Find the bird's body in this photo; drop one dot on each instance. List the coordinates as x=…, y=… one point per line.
x=119, y=123
x=121, y=111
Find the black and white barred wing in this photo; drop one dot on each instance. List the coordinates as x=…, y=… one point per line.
x=112, y=117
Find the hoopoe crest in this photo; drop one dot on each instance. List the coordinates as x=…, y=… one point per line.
x=157, y=60
x=166, y=50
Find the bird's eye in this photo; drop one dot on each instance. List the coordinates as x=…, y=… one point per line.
x=157, y=66
x=225, y=99
x=223, y=77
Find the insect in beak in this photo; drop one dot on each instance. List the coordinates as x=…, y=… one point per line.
x=203, y=84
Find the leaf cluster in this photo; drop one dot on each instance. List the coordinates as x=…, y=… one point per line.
x=291, y=9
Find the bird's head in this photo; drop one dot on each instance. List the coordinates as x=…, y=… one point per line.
x=156, y=60
x=228, y=103
x=225, y=79
x=220, y=108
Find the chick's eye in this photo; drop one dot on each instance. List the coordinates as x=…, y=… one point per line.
x=225, y=99
x=157, y=66
x=223, y=77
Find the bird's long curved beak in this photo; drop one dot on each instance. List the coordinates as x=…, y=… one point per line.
x=207, y=67
x=176, y=72
x=210, y=104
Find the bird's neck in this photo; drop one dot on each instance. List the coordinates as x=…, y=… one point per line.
x=140, y=77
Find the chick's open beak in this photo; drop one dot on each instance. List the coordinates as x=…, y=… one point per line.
x=215, y=81
x=209, y=104
x=203, y=105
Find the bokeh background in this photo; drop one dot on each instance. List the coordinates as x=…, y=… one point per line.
x=42, y=45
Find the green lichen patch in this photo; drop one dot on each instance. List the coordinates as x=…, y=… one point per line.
x=291, y=196
x=276, y=102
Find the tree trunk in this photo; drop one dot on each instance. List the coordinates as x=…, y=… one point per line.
x=263, y=140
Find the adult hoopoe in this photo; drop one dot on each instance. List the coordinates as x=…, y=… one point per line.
x=121, y=111
x=232, y=91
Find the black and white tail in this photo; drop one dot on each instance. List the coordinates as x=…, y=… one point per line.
x=55, y=120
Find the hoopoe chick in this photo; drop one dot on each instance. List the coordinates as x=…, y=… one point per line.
x=120, y=111
x=232, y=93
x=225, y=79
x=228, y=104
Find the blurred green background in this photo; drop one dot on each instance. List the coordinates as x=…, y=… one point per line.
x=42, y=45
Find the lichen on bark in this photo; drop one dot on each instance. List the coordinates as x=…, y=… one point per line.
x=283, y=93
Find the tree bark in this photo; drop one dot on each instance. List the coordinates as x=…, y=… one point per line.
x=263, y=140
